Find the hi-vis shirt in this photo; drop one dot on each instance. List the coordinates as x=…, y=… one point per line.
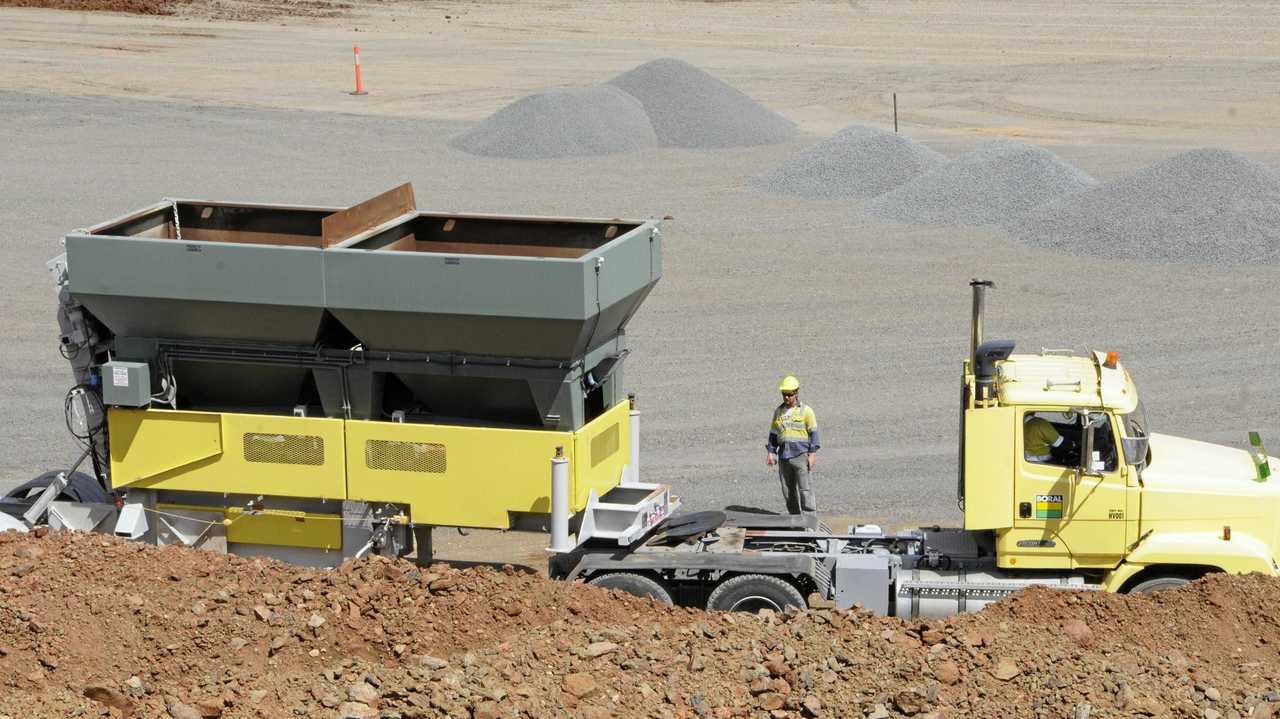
x=1039, y=437
x=794, y=431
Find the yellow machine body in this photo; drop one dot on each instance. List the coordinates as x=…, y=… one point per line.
x=228, y=453
x=275, y=527
x=460, y=476
x=448, y=475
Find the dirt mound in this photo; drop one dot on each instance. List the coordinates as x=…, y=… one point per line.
x=985, y=186
x=600, y=120
x=1207, y=205
x=691, y=108
x=858, y=161
x=89, y=622
x=242, y=10
x=137, y=7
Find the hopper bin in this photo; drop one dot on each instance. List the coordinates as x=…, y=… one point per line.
x=225, y=272
x=371, y=312
x=518, y=309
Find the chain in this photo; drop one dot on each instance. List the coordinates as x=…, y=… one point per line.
x=177, y=227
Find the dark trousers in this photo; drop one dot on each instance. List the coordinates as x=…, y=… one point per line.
x=797, y=485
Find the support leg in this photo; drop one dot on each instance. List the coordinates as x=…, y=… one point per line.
x=422, y=543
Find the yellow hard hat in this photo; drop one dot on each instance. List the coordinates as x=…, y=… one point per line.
x=789, y=384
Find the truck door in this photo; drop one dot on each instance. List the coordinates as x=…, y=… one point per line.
x=1065, y=519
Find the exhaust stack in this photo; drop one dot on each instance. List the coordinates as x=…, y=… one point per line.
x=980, y=288
x=984, y=355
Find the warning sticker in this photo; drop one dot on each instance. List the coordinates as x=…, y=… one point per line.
x=120, y=376
x=1048, y=506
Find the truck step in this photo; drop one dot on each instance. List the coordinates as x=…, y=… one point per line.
x=626, y=513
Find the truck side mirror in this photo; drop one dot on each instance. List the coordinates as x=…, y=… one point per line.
x=1135, y=450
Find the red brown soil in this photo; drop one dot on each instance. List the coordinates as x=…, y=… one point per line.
x=137, y=7
x=95, y=626
x=245, y=10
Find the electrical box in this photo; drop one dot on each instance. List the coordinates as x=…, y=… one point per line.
x=126, y=384
x=864, y=579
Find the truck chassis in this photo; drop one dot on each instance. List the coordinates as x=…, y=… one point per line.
x=735, y=560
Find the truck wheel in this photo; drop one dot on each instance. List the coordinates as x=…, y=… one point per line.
x=637, y=584
x=1159, y=584
x=753, y=592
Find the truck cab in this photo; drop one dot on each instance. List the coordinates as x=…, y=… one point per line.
x=1057, y=460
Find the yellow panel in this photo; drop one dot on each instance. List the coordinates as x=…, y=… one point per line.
x=988, y=467
x=148, y=443
x=452, y=475
x=256, y=454
x=603, y=448
x=475, y=476
x=285, y=528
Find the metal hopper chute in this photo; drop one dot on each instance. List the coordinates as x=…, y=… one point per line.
x=376, y=311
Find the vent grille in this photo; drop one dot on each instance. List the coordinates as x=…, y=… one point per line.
x=305, y=449
x=396, y=456
x=604, y=445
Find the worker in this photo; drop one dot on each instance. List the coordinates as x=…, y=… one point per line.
x=793, y=446
x=1039, y=439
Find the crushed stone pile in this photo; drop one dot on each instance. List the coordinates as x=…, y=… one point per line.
x=1206, y=206
x=985, y=186
x=579, y=122
x=860, y=161
x=690, y=108
x=92, y=625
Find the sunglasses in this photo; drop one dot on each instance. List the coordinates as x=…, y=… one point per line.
x=788, y=394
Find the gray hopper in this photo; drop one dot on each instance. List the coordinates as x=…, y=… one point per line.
x=484, y=317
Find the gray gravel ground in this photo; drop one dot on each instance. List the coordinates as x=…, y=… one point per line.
x=599, y=120
x=873, y=318
x=985, y=186
x=859, y=161
x=1205, y=206
x=690, y=108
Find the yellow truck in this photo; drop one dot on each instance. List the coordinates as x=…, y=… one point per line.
x=1061, y=483
x=1131, y=509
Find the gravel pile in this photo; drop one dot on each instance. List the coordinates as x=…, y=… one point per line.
x=985, y=186
x=600, y=120
x=690, y=108
x=1207, y=205
x=858, y=162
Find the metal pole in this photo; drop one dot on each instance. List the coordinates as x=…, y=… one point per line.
x=560, y=502
x=895, y=113
x=51, y=492
x=632, y=475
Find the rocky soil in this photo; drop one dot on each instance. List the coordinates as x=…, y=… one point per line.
x=95, y=626
x=242, y=10
x=137, y=7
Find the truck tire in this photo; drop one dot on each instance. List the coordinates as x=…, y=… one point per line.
x=753, y=592
x=637, y=584
x=1159, y=584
